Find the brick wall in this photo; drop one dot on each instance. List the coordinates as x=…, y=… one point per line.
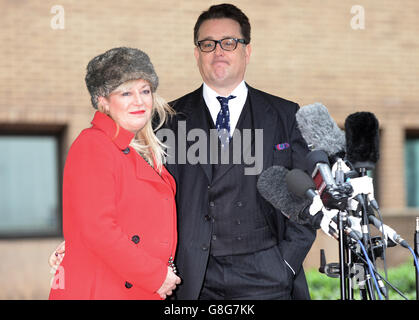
x=304, y=51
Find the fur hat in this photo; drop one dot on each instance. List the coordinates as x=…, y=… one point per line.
x=110, y=69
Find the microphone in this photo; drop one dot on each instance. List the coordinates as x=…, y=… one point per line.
x=362, y=145
x=302, y=185
x=320, y=131
x=333, y=194
x=273, y=188
x=362, y=140
x=318, y=162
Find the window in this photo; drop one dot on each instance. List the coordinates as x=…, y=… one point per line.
x=411, y=155
x=30, y=185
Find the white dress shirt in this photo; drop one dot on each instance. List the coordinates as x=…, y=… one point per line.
x=235, y=105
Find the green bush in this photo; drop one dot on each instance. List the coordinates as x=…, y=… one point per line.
x=403, y=278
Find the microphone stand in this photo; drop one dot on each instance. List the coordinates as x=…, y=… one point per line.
x=366, y=241
x=362, y=199
x=342, y=239
x=344, y=260
x=350, y=281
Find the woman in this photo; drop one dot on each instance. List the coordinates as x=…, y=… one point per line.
x=119, y=214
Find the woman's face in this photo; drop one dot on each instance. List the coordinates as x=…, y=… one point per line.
x=130, y=105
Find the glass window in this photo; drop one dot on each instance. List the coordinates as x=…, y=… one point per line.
x=412, y=171
x=29, y=185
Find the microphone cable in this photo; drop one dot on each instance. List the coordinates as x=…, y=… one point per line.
x=414, y=257
x=384, y=245
x=380, y=276
x=371, y=270
x=364, y=215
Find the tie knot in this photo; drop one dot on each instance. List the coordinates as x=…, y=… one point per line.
x=224, y=101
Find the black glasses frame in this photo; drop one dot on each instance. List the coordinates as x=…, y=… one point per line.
x=198, y=43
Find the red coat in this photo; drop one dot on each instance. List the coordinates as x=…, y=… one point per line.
x=119, y=219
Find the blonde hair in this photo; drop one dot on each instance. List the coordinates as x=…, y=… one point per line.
x=145, y=142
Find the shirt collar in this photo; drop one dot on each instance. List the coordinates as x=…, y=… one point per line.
x=121, y=137
x=235, y=105
x=211, y=95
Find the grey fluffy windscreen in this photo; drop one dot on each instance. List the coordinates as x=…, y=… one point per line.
x=272, y=186
x=319, y=130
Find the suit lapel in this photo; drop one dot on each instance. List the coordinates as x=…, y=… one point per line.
x=195, y=114
x=264, y=118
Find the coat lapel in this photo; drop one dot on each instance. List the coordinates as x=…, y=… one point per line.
x=144, y=170
x=264, y=118
x=195, y=114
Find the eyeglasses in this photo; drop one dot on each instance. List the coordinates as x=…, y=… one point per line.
x=227, y=44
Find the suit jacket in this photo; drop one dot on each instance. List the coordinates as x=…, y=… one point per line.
x=119, y=219
x=276, y=116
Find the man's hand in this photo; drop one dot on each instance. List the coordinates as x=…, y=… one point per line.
x=57, y=256
x=169, y=284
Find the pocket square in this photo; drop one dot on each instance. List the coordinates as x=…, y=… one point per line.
x=282, y=146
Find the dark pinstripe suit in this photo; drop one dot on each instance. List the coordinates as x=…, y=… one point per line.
x=276, y=117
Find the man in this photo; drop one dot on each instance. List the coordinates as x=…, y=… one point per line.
x=233, y=244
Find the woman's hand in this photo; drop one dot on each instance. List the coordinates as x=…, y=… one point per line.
x=57, y=256
x=169, y=284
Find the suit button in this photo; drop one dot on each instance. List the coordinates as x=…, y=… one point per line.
x=239, y=204
x=135, y=239
x=214, y=237
x=212, y=204
x=204, y=248
x=207, y=217
x=128, y=285
x=239, y=238
x=126, y=150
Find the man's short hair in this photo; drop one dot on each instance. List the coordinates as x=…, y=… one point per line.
x=221, y=11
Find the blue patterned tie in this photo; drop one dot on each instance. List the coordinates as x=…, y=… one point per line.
x=223, y=120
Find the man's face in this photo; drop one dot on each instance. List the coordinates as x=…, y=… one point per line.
x=222, y=70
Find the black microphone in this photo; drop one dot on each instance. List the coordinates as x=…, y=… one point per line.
x=272, y=186
x=320, y=131
x=317, y=163
x=362, y=145
x=333, y=193
x=302, y=185
x=362, y=140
